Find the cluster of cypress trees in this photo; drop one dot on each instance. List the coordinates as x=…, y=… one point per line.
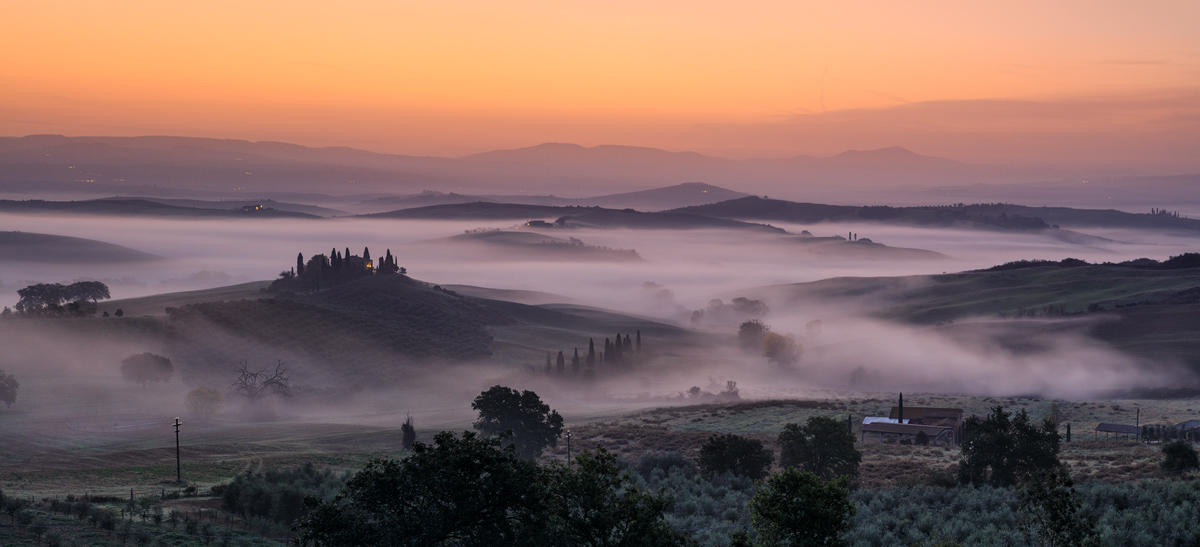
x=626, y=350
x=324, y=271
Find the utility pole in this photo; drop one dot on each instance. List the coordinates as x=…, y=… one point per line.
x=568, y=448
x=178, y=475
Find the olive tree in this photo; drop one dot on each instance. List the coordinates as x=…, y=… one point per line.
x=528, y=423
x=823, y=446
x=794, y=508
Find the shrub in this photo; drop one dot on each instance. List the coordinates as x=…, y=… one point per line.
x=1178, y=456
x=278, y=495
x=666, y=461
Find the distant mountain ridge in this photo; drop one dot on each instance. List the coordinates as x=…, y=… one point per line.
x=105, y=164
x=981, y=215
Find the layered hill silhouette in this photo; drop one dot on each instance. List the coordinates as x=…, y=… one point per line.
x=987, y=215
x=571, y=217
x=669, y=197
x=140, y=164
x=139, y=208
x=27, y=247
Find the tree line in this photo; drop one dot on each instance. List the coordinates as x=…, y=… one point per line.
x=55, y=299
x=618, y=351
x=326, y=271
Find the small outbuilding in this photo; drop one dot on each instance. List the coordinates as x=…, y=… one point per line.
x=937, y=434
x=1117, y=429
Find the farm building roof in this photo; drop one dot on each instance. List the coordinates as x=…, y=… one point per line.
x=874, y=419
x=1188, y=425
x=904, y=429
x=1117, y=428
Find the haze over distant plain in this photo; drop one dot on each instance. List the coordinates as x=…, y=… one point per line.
x=1068, y=85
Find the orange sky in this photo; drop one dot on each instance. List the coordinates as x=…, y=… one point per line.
x=732, y=78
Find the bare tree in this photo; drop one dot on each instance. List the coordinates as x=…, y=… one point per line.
x=256, y=385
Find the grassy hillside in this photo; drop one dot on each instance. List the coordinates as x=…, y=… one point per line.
x=936, y=298
x=158, y=303
x=27, y=247
x=1150, y=313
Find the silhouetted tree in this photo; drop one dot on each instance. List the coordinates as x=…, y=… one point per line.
x=531, y=424
x=408, y=431
x=460, y=491
x=628, y=349
x=300, y=264
x=256, y=385
x=1050, y=513
x=822, y=446
x=595, y=503
x=591, y=354
x=796, y=508
x=561, y=364
x=575, y=362
x=616, y=349
x=366, y=254
x=781, y=349
x=8, y=389
x=41, y=298
x=119, y=312
x=146, y=367
x=87, y=290
x=736, y=454
x=751, y=333
x=1003, y=449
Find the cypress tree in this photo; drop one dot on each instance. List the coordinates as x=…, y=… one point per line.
x=617, y=349
x=300, y=264
x=591, y=356
x=561, y=364
x=628, y=344
x=575, y=362
x=366, y=254
x=607, y=351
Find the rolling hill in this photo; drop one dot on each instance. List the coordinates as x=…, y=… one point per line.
x=571, y=217
x=26, y=247
x=137, y=207
x=1153, y=313
x=526, y=245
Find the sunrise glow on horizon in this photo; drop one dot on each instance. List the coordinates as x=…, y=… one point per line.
x=974, y=82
